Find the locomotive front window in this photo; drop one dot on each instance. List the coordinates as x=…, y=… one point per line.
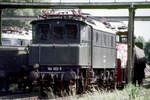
x=71, y=31
x=58, y=32
x=44, y=30
x=123, y=38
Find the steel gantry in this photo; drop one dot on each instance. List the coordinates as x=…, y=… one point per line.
x=81, y=5
x=90, y=5
x=107, y=18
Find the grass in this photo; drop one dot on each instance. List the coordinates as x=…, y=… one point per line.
x=130, y=92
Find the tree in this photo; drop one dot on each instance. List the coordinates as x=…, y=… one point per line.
x=20, y=12
x=139, y=41
x=12, y=12
x=147, y=51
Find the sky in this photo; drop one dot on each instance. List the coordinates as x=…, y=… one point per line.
x=142, y=28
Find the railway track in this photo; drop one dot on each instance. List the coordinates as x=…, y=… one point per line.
x=22, y=96
x=17, y=96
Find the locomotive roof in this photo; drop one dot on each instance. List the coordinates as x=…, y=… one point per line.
x=103, y=26
x=89, y=21
x=44, y=20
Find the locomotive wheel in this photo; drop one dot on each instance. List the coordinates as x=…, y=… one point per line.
x=72, y=88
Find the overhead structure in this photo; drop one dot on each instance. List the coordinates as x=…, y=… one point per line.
x=122, y=18
x=90, y=5
x=107, y=18
x=81, y=5
x=0, y=25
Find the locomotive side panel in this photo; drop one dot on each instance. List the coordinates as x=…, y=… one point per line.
x=85, y=45
x=84, y=57
x=104, y=58
x=104, y=52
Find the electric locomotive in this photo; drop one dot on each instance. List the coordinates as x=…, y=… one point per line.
x=64, y=41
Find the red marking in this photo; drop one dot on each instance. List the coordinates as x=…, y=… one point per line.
x=74, y=13
x=119, y=73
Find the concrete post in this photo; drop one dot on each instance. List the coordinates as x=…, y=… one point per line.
x=130, y=43
x=0, y=26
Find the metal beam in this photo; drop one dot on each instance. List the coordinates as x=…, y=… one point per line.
x=81, y=5
x=122, y=18
x=130, y=44
x=24, y=18
x=0, y=25
x=108, y=18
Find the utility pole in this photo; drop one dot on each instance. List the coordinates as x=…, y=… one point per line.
x=130, y=43
x=1, y=26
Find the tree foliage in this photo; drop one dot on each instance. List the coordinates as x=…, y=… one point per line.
x=147, y=51
x=140, y=42
x=140, y=39
x=20, y=12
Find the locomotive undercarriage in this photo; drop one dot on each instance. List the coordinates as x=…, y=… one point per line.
x=105, y=78
x=87, y=79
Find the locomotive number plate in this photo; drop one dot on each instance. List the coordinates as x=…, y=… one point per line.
x=54, y=68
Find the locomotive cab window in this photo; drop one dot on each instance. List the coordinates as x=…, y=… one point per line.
x=71, y=31
x=123, y=38
x=44, y=30
x=58, y=32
